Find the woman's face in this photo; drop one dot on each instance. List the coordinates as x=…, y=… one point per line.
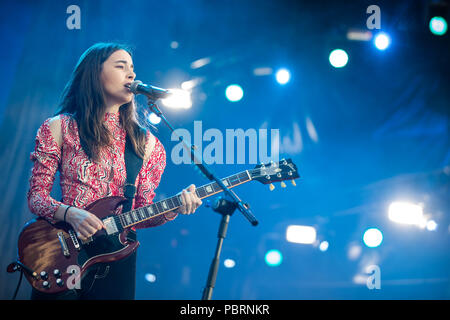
x=117, y=71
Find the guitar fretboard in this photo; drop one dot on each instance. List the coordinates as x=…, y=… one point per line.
x=136, y=216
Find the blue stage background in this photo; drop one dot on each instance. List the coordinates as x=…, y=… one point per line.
x=382, y=126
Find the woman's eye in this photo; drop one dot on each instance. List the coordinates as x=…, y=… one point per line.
x=121, y=67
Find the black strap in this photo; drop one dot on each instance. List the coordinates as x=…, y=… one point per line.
x=133, y=165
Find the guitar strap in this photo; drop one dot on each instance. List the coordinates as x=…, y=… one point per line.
x=133, y=165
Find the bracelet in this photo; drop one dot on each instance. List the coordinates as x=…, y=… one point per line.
x=67, y=209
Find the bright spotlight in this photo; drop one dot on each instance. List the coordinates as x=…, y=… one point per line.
x=431, y=225
x=273, y=258
x=372, y=237
x=323, y=246
x=150, y=277
x=153, y=118
x=229, y=263
x=382, y=41
x=301, y=234
x=438, y=26
x=178, y=99
x=338, y=58
x=283, y=76
x=234, y=93
x=406, y=213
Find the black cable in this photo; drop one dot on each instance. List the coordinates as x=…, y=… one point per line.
x=18, y=285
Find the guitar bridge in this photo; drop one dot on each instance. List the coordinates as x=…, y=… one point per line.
x=63, y=243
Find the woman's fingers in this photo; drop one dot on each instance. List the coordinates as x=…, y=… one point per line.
x=190, y=201
x=187, y=202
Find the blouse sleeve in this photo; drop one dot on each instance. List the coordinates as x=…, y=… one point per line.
x=46, y=159
x=149, y=179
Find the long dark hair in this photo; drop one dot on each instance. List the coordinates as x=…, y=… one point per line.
x=83, y=97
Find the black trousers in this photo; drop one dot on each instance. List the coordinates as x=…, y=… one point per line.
x=106, y=281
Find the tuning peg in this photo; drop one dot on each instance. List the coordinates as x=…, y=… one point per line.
x=283, y=185
x=271, y=187
x=293, y=183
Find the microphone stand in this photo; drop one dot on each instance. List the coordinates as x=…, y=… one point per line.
x=225, y=207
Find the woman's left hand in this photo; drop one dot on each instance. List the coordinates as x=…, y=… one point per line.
x=189, y=200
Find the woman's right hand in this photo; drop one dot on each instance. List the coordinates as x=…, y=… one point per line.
x=84, y=223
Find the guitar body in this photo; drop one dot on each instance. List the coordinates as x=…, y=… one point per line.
x=43, y=246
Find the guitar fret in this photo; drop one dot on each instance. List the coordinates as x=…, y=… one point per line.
x=172, y=200
x=201, y=192
x=177, y=201
x=142, y=213
x=121, y=220
x=139, y=214
x=245, y=176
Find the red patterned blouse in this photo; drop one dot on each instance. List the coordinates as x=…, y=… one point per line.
x=82, y=181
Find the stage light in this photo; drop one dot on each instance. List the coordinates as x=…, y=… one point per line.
x=406, y=213
x=273, y=258
x=283, y=76
x=200, y=63
x=179, y=99
x=234, y=93
x=301, y=234
x=359, y=35
x=372, y=237
x=154, y=119
x=262, y=71
x=354, y=251
x=382, y=41
x=431, y=225
x=191, y=84
x=438, y=26
x=323, y=246
x=338, y=58
x=150, y=277
x=229, y=263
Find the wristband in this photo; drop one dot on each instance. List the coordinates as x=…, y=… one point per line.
x=67, y=209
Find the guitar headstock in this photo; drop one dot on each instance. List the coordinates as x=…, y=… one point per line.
x=275, y=171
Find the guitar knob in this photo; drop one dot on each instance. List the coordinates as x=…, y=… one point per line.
x=57, y=273
x=271, y=187
x=59, y=282
x=44, y=275
x=283, y=185
x=293, y=183
x=46, y=284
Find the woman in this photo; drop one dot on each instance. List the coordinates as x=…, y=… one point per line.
x=85, y=141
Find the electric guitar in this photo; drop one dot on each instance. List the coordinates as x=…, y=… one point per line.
x=51, y=254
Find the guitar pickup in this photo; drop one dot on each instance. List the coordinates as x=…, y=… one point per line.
x=74, y=239
x=111, y=226
x=63, y=243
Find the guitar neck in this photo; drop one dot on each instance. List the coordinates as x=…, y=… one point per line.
x=133, y=217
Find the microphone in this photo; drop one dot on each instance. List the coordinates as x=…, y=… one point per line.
x=154, y=93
